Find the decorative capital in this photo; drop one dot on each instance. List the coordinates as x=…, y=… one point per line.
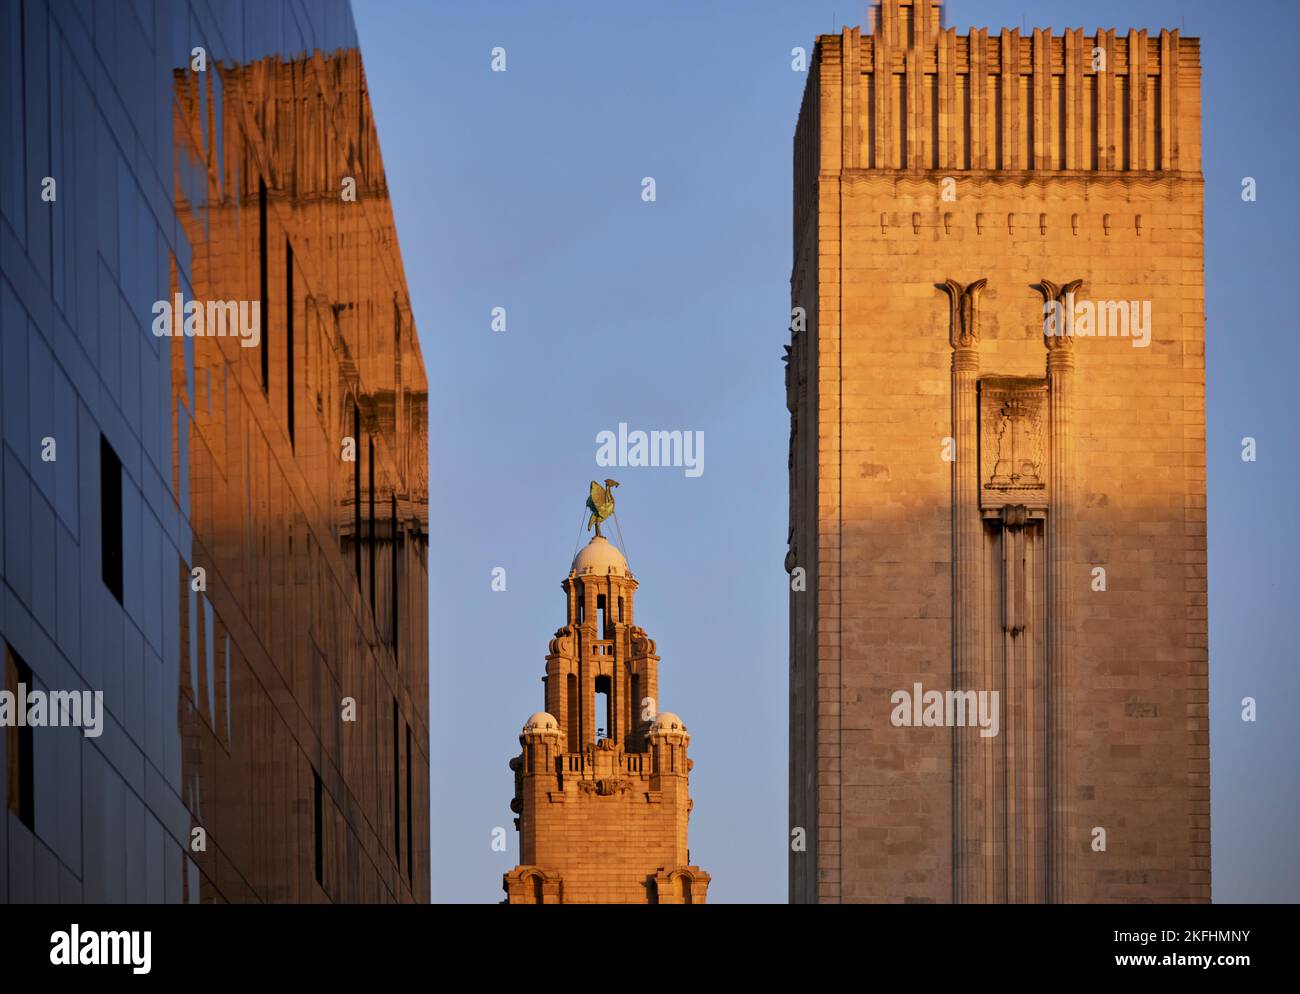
x=1058, y=302
x=963, y=303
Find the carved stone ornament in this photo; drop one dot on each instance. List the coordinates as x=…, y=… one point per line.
x=562, y=644
x=642, y=644
x=605, y=787
x=963, y=302
x=1061, y=297
x=1013, y=448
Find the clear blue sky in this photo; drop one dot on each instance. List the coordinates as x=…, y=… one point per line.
x=522, y=190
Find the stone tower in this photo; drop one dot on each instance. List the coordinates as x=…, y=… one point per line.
x=602, y=785
x=996, y=382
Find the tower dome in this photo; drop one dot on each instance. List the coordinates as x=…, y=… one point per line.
x=598, y=557
x=668, y=722
x=541, y=721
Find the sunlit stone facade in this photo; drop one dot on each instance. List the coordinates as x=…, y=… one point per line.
x=980, y=503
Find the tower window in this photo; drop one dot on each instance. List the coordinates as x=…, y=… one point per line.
x=603, y=694
x=572, y=712
x=636, y=701
x=600, y=616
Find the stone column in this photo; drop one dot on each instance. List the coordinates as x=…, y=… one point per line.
x=969, y=791
x=1059, y=340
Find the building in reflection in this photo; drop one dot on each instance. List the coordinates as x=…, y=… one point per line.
x=231, y=540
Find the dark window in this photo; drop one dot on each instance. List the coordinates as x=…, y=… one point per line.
x=410, y=827
x=370, y=533
x=392, y=530
x=262, y=275
x=288, y=336
x=356, y=489
x=397, y=797
x=20, y=783
x=600, y=616
x=110, y=516
x=318, y=806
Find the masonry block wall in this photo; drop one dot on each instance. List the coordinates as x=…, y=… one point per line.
x=923, y=157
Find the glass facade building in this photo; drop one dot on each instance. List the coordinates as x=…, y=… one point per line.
x=214, y=470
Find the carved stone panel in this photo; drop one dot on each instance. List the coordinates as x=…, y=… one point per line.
x=1013, y=442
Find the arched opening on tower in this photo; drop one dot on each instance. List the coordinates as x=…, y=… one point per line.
x=603, y=695
x=571, y=711
x=634, y=722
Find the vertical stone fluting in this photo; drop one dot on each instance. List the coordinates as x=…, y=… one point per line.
x=1012, y=734
x=1034, y=734
x=1019, y=799
x=1060, y=617
x=969, y=793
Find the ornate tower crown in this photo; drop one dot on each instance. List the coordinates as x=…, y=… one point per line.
x=601, y=786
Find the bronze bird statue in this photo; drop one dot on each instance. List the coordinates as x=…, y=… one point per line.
x=600, y=503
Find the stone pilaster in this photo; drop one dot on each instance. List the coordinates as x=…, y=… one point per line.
x=1059, y=340
x=970, y=786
